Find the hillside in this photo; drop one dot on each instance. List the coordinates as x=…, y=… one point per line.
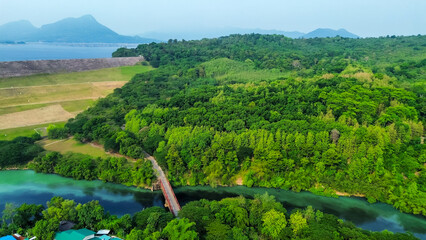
x=215, y=33
x=31, y=103
x=17, y=31
x=70, y=30
x=324, y=115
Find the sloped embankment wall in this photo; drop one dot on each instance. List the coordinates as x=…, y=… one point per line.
x=26, y=68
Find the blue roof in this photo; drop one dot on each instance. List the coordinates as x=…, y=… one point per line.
x=7, y=238
x=104, y=237
x=73, y=234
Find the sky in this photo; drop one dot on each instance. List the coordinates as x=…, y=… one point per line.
x=366, y=18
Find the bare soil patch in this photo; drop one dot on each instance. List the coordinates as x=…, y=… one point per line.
x=344, y=194
x=53, y=113
x=239, y=181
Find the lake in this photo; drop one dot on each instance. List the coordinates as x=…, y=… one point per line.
x=52, y=51
x=26, y=186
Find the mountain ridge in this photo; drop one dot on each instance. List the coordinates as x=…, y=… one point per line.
x=85, y=29
x=328, y=32
x=215, y=33
x=16, y=30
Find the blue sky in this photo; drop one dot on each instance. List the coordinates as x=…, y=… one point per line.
x=362, y=17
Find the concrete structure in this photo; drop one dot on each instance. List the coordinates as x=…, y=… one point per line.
x=26, y=68
x=169, y=195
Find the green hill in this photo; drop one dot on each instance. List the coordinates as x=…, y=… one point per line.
x=329, y=115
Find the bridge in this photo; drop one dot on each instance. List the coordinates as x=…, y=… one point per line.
x=171, y=200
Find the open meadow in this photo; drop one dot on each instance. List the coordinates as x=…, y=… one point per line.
x=70, y=145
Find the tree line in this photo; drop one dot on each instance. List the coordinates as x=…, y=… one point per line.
x=84, y=167
x=230, y=218
x=19, y=151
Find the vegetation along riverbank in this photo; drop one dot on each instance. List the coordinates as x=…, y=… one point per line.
x=324, y=115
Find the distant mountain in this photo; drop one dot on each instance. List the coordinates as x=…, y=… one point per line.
x=214, y=33
x=70, y=30
x=16, y=31
x=327, y=32
x=293, y=34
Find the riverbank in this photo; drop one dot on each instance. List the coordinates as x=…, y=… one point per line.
x=239, y=182
x=14, y=168
x=345, y=194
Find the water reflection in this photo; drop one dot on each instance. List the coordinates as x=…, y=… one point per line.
x=375, y=217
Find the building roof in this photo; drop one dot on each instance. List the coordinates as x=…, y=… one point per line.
x=103, y=232
x=104, y=237
x=18, y=237
x=9, y=237
x=74, y=234
x=81, y=234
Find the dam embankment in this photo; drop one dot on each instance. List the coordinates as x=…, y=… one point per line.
x=26, y=68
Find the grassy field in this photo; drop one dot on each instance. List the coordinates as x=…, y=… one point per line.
x=78, y=105
x=71, y=145
x=10, y=97
x=9, y=134
x=70, y=106
x=53, y=113
x=6, y=110
x=74, y=92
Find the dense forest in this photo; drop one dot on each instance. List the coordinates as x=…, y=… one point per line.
x=230, y=218
x=19, y=151
x=322, y=115
x=84, y=167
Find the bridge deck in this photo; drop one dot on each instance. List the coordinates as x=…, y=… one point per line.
x=166, y=188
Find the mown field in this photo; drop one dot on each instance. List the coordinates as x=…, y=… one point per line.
x=70, y=145
x=35, y=101
x=9, y=134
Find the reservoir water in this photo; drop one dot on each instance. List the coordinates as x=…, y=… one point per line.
x=26, y=186
x=52, y=51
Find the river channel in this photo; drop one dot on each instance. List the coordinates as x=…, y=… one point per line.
x=26, y=186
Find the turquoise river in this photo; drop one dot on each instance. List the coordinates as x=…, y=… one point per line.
x=26, y=186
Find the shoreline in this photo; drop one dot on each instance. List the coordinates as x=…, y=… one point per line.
x=345, y=194
x=14, y=168
x=26, y=168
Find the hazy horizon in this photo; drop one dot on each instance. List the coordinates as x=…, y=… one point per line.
x=134, y=17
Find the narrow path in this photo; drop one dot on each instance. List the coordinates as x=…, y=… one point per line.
x=167, y=189
x=44, y=85
x=55, y=101
x=56, y=142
